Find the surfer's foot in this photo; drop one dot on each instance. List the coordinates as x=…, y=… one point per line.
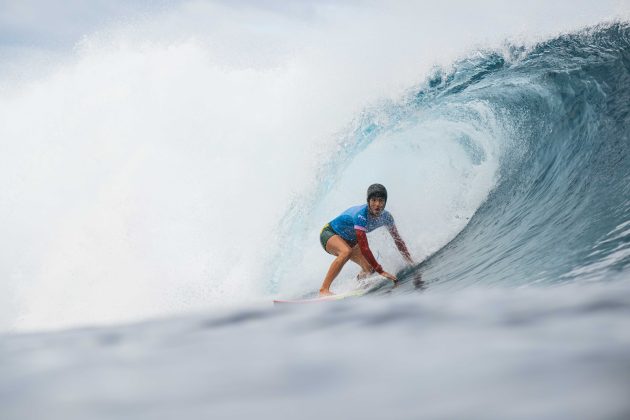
x=325, y=292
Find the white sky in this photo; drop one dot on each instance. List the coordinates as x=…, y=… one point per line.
x=59, y=24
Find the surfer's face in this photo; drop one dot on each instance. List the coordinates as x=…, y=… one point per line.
x=376, y=205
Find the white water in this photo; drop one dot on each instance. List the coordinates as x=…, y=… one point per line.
x=146, y=171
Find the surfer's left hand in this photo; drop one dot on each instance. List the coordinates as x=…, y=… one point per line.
x=389, y=276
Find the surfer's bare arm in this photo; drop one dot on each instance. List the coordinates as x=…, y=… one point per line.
x=367, y=253
x=400, y=244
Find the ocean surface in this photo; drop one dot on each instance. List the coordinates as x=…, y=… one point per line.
x=509, y=177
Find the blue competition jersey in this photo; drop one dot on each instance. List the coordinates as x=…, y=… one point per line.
x=358, y=217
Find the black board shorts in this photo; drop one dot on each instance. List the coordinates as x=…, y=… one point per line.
x=327, y=233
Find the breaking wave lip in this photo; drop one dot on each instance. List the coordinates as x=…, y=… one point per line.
x=560, y=209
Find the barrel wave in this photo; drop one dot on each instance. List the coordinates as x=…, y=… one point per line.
x=560, y=209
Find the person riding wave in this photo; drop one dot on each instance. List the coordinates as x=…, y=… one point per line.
x=345, y=237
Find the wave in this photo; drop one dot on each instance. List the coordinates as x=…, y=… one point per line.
x=560, y=210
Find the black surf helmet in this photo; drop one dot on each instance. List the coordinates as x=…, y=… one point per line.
x=376, y=191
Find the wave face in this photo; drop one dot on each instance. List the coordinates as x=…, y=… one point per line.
x=560, y=210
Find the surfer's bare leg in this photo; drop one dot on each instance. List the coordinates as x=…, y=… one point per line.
x=340, y=248
x=358, y=258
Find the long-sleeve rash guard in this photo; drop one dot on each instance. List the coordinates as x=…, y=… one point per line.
x=353, y=224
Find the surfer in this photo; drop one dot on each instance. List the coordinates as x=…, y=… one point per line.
x=345, y=237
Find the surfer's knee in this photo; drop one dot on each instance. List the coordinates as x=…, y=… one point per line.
x=344, y=254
